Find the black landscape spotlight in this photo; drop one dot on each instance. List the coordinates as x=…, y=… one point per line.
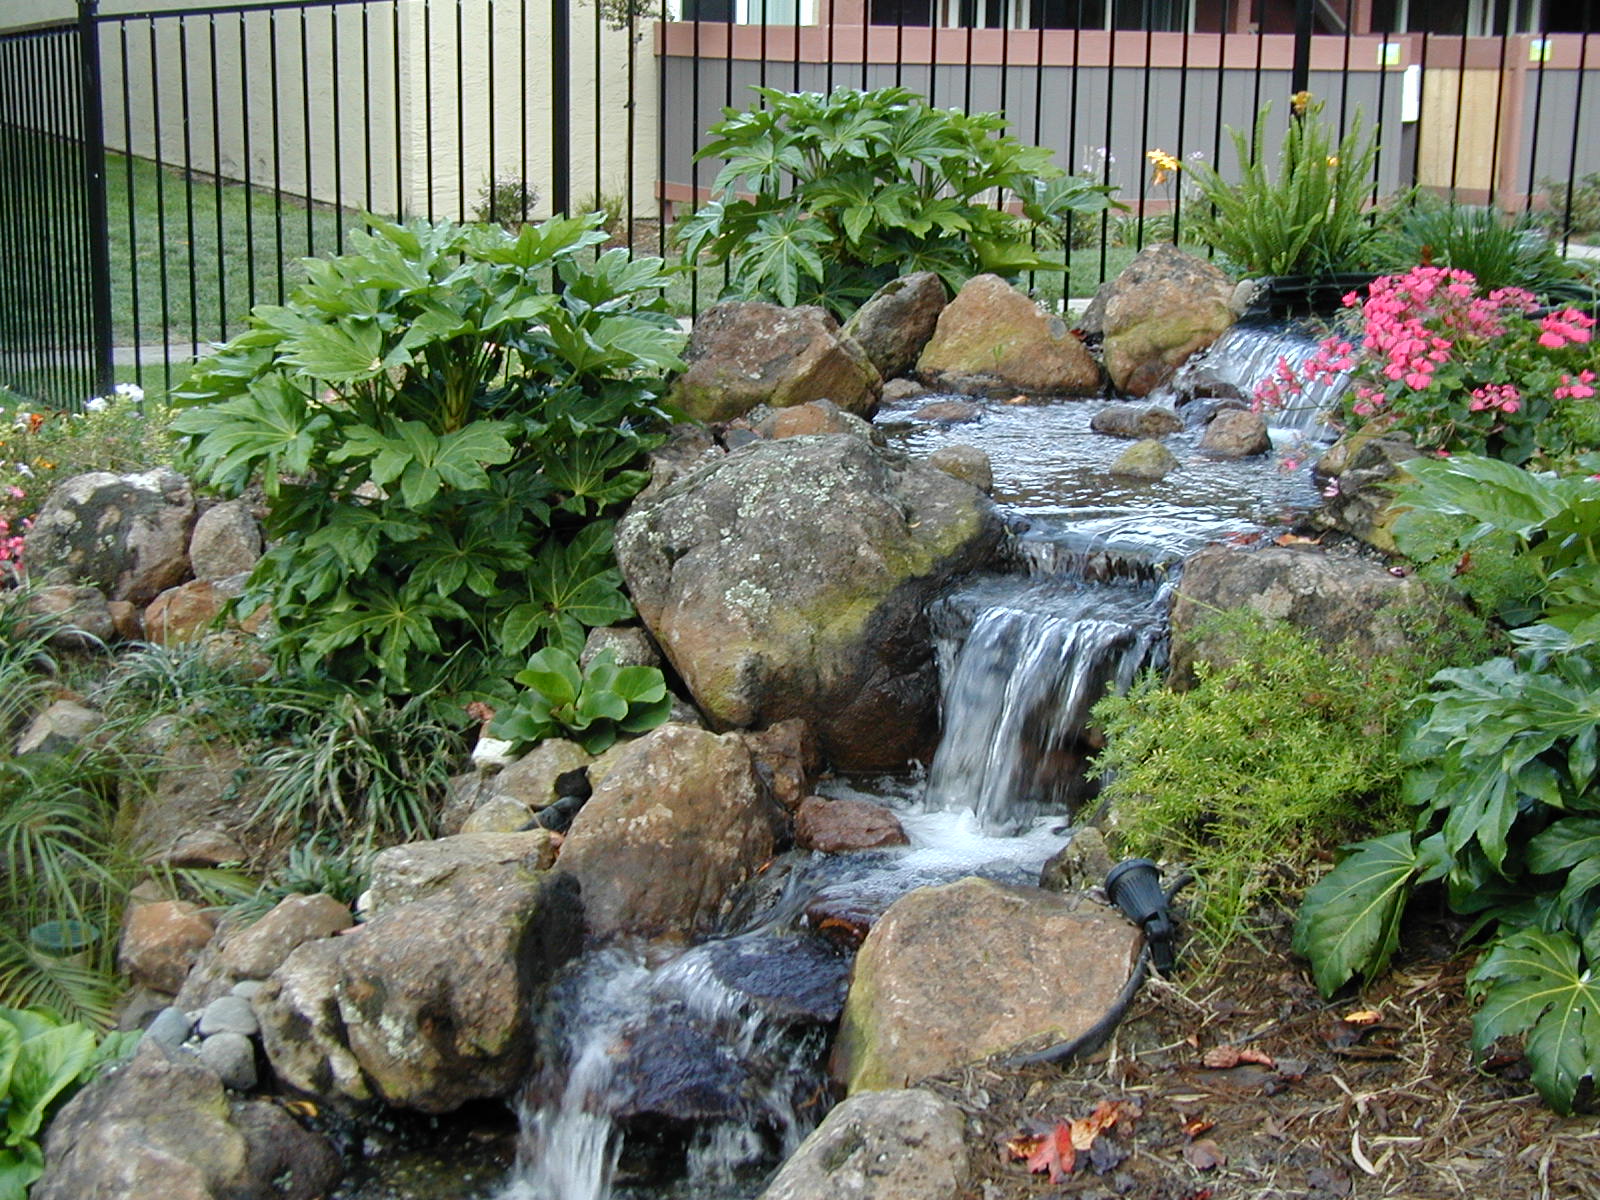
x=1134, y=886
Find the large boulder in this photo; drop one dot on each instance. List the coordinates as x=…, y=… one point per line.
x=790, y=579
x=896, y=323
x=950, y=975
x=680, y=818
x=411, y=871
x=432, y=1002
x=992, y=340
x=747, y=352
x=127, y=535
x=162, y=1126
x=1343, y=600
x=1163, y=307
x=892, y=1145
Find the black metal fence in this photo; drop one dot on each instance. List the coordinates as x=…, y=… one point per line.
x=163, y=171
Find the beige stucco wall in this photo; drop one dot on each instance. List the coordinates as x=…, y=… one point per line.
x=352, y=130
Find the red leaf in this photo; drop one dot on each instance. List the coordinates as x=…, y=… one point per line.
x=1055, y=1153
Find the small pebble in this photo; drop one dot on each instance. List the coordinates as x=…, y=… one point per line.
x=171, y=1027
x=229, y=1014
x=233, y=1057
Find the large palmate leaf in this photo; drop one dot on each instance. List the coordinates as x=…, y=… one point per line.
x=1533, y=984
x=1349, y=923
x=425, y=462
x=272, y=430
x=573, y=586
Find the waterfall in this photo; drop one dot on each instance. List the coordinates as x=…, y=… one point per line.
x=1246, y=355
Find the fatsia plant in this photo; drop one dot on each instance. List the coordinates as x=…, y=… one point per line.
x=1504, y=776
x=443, y=421
x=823, y=199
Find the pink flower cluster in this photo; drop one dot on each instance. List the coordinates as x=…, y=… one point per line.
x=1557, y=329
x=1580, y=388
x=1503, y=396
x=11, y=543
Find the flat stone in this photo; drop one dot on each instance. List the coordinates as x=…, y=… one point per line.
x=59, y=728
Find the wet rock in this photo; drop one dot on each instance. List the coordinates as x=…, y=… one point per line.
x=1163, y=307
x=162, y=1126
x=1343, y=601
x=160, y=942
x=791, y=979
x=1136, y=421
x=673, y=1069
x=1236, y=433
x=1081, y=864
x=888, y=1145
x=127, y=535
x=410, y=872
x=83, y=614
x=59, y=728
x=233, y=1057
x=818, y=416
x=787, y=758
x=791, y=579
x=226, y=541
x=745, y=353
x=948, y=412
x=1357, y=477
x=432, y=1002
x=950, y=975
x=966, y=463
x=895, y=324
x=1148, y=459
x=679, y=820
x=993, y=340
x=258, y=950
x=835, y=826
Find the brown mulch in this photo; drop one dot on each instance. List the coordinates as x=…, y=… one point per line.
x=1387, y=1104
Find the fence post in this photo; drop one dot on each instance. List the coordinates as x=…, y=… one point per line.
x=94, y=184
x=1304, y=23
x=561, y=107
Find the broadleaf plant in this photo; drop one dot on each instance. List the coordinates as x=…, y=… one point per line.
x=443, y=436
x=823, y=199
x=590, y=705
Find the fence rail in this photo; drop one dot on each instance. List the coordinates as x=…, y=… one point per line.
x=163, y=171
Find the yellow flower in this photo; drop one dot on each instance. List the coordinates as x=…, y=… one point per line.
x=1299, y=102
x=1164, y=164
x=1333, y=160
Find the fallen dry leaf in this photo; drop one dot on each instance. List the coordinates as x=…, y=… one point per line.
x=1054, y=1153
x=1366, y=1016
x=1220, y=1058
x=1193, y=1129
x=1204, y=1155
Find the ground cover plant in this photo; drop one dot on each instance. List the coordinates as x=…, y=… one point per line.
x=823, y=199
x=1503, y=786
x=443, y=439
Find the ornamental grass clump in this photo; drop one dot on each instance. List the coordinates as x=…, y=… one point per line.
x=1433, y=356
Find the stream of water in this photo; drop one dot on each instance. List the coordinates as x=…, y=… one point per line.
x=729, y=1036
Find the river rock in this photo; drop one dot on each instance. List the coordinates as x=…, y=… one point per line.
x=1344, y=601
x=412, y=871
x=1163, y=307
x=834, y=826
x=1357, y=478
x=226, y=541
x=791, y=580
x=746, y=352
x=233, y=1057
x=1148, y=459
x=895, y=324
x=950, y=975
x=171, y=1027
x=160, y=942
x=228, y=1014
x=80, y=615
x=1236, y=433
x=127, y=535
x=993, y=340
x=162, y=1126
x=787, y=758
x=967, y=463
x=58, y=728
x=259, y=949
x=948, y=412
x=1136, y=421
x=680, y=819
x=431, y=1003
x=897, y=390
x=888, y=1145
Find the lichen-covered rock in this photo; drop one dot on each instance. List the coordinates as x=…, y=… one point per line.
x=890, y=1145
x=432, y=1002
x=414, y=870
x=127, y=535
x=790, y=580
x=993, y=340
x=1148, y=459
x=950, y=975
x=226, y=541
x=162, y=1126
x=1342, y=600
x=896, y=323
x=1236, y=433
x=1163, y=307
x=679, y=819
x=746, y=352
x=1136, y=421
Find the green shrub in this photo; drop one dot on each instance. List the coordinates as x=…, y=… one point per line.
x=1503, y=780
x=1573, y=209
x=1254, y=770
x=1497, y=251
x=1311, y=219
x=443, y=438
x=823, y=199
x=591, y=705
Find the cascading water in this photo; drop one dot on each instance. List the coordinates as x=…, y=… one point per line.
x=1246, y=355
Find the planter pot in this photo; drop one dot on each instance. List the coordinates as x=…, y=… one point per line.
x=65, y=941
x=1281, y=297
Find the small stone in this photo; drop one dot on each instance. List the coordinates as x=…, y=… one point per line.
x=897, y=390
x=835, y=826
x=965, y=462
x=1148, y=459
x=246, y=989
x=60, y=727
x=948, y=412
x=233, y=1057
x=171, y=1027
x=229, y=1014
x=500, y=814
x=1234, y=433
x=1135, y=421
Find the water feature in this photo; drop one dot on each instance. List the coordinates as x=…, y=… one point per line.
x=712, y=1059
x=1247, y=354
